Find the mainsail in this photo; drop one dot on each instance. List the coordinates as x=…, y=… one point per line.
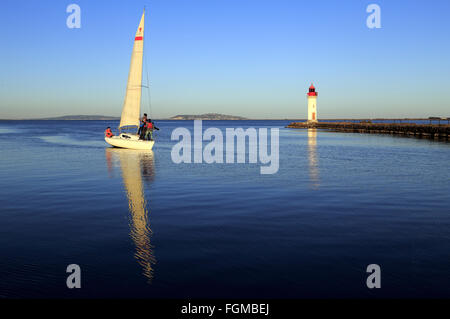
x=132, y=105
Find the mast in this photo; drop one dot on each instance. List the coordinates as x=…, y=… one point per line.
x=132, y=104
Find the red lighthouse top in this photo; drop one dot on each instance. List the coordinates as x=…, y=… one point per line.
x=312, y=91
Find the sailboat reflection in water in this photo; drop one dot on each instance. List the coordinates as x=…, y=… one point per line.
x=136, y=165
x=312, y=158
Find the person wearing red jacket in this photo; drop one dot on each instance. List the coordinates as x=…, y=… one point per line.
x=149, y=127
x=108, y=132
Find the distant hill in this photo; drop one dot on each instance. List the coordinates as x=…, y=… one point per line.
x=207, y=116
x=81, y=118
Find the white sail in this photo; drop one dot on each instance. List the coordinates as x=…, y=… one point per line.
x=132, y=105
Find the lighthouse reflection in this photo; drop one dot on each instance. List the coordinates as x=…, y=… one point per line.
x=137, y=166
x=312, y=158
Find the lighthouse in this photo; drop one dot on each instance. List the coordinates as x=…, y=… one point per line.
x=312, y=104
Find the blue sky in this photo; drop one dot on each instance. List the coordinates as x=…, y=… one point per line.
x=249, y=58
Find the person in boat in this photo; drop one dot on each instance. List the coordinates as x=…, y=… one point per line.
x=143, y=131
x=143, y=121
x=108, y=132
x=149, y=127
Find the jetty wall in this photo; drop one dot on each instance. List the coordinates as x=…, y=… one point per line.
x=419, y=130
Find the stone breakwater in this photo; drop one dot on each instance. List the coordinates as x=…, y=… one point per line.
x=419, y=130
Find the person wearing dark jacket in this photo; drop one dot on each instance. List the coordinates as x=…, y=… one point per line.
x=141, y=127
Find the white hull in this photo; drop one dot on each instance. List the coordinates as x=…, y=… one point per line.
x=133, y=142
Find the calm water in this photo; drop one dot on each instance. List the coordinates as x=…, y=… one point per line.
x=141, y=226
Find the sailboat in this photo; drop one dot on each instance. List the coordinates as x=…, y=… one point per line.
x=129, y=119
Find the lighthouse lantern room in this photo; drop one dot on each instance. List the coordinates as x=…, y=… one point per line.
x=312, y=104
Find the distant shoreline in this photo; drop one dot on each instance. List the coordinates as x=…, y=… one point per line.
x=249, y=119
x=70, y=118
x=162, y=119
x=207, y=116
x=216, y=117
x=204, y=117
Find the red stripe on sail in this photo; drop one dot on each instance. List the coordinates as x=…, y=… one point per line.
x=138, y=38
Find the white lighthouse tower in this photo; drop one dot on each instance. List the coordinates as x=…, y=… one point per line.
x=312, y=104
